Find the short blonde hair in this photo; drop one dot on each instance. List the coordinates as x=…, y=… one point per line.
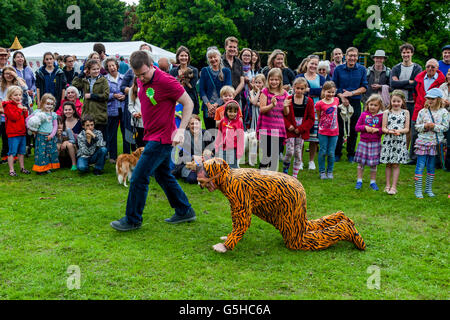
x=300, y=80
x=227, y=89
x=275, y=72
x=374, y=97
x=45, y=97
x=231, y=39
x=11, y=91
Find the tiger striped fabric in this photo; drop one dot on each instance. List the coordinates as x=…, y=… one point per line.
x=280, y=200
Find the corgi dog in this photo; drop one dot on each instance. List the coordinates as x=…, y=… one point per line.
x=125, y=165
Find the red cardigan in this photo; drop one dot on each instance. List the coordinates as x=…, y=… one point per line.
x=419, y=93
x=307, y=123
x=15, y=119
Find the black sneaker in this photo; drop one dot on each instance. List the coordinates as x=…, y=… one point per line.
x=97, y=172
x=188, y=217
x=123, y=225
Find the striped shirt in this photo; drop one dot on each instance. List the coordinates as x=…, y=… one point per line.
x=271, y=123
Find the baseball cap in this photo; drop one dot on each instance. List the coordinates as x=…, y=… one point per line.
x=434, y=93
x=447, y=47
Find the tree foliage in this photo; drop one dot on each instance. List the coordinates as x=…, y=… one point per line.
x=196, y=24
x=22, y=18
x=130, y=23
x=301, y=27
x=423, y=23
x=101, y=20
x=34, y=21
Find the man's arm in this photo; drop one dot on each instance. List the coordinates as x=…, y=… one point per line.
x=188, y=106
x=240, y=86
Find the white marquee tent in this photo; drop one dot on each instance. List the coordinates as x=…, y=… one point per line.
x=34, y=54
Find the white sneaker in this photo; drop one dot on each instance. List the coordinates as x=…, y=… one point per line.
x=312, y=165
x=301, y=166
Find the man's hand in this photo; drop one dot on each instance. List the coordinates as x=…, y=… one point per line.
x=345, y=102
x=220, y=247
x=178, y=137
x=347, y=94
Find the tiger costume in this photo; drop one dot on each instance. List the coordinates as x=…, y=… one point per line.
x=278, y=199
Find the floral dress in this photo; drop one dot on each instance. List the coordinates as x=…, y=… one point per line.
x=393, y=148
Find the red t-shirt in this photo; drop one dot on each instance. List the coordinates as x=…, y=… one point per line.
x=158, y=119
x=328, y=123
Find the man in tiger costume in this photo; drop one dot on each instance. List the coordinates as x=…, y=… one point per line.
x=278, y=199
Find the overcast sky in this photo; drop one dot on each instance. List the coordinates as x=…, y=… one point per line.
x=131, y=1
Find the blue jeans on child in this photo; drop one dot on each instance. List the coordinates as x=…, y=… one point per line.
x=327, y=148
x=154, y=161
x=17, y=145
x=99, y=158
x=425, y=161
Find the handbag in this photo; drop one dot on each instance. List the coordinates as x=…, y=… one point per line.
x=441, y=148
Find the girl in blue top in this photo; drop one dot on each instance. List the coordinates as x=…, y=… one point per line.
x=46, y=151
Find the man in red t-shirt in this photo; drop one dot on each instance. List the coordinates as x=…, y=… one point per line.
x=159, y=92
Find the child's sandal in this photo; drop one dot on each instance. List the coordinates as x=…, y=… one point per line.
x=25, y=171
x=12, y=174
x=392, y=191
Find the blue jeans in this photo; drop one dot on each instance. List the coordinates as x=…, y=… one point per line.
x=17, y=145
x=327, y=147
x=425, y=161
x=98, y=158
x=154, y=161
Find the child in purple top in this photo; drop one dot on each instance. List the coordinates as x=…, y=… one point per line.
x=369, y=147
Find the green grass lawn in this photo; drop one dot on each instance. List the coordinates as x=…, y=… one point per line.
x=51, y=222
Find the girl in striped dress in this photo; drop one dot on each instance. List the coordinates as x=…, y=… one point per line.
x=270, y=129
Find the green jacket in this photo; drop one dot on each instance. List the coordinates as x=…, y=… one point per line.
x=96, y=106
